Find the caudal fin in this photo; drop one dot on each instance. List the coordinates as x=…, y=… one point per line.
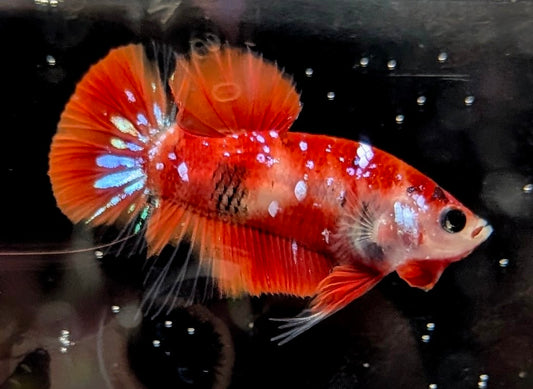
x=98, y=156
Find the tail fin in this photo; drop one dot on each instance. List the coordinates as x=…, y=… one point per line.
x=98, y=156
x=223, y=90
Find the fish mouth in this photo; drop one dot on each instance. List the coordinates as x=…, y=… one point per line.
x=482, y=232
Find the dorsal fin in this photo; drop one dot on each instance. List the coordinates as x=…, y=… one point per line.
x=223, y=90
x=239, y=258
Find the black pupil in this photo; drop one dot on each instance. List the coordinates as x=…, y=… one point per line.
x=453, y=220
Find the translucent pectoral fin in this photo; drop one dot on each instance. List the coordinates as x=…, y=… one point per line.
x=343, y=285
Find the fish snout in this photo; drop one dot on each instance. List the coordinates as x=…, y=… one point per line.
x=482, y=231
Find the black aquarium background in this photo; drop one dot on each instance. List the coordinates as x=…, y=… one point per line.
x=444, y=85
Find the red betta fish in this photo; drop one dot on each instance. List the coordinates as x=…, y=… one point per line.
x=266, y=210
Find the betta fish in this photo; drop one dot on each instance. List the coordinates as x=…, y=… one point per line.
x=207, y=156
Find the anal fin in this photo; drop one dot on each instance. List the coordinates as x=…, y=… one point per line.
x=240, y=259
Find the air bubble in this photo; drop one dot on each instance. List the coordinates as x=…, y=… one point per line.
x=391, y=65
x=50, y=60
x=421, y=100
x=430, y=326
x=156, y=343
x=442, y=57
x=366, y=365
x=251, y=325
x=484, y=377
x=99, y=254
x=400, y=119
x=309, y=72
x=191, y=331
x=115, y=309
x=482, y=385
x=331, y=96
x=364, y=62
x=522, y=374
x=469, y=100
x=168, y=323
x=432, y=386
x=425, y=338
x=504, y=262
x=528, y=188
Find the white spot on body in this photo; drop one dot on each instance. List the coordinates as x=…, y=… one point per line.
x=405, y=217
x=364, y=155
x=273, y=134
x=273, y=208
x=350, y=171
x=226, y=154
x=159, y=166
x=261, y=158
x=329, y=181
x=266, y=149
x=303, y=145
x=172, y=156
x=183, y=172
x=325, y=233
x=310, y=164
x=260, y=139
x=300, y=190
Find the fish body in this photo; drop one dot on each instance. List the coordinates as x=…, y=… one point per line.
x=267, y=210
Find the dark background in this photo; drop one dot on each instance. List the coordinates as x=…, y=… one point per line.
x=482, y=153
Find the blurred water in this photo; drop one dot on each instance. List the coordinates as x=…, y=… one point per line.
x=444, y=85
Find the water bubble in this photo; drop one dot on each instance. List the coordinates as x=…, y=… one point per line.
x=421, y=100
x=430, y=326
x=391, y=65
x=331, y=96
x=442, y=57
x=168, y=323
x=50, y=60
x=64, y=341
x=469, y=100
x=191, y=331
x=309, y=72
x=115, y=308
x=99, y=254
x=504, y=262
x=364, y=62
x=399, y=119
x=425, y=338
x=156, y=343
x=528, y=188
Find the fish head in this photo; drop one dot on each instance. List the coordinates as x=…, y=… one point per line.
x=425, y=230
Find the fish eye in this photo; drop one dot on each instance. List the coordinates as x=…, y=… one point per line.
x=453, y=220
